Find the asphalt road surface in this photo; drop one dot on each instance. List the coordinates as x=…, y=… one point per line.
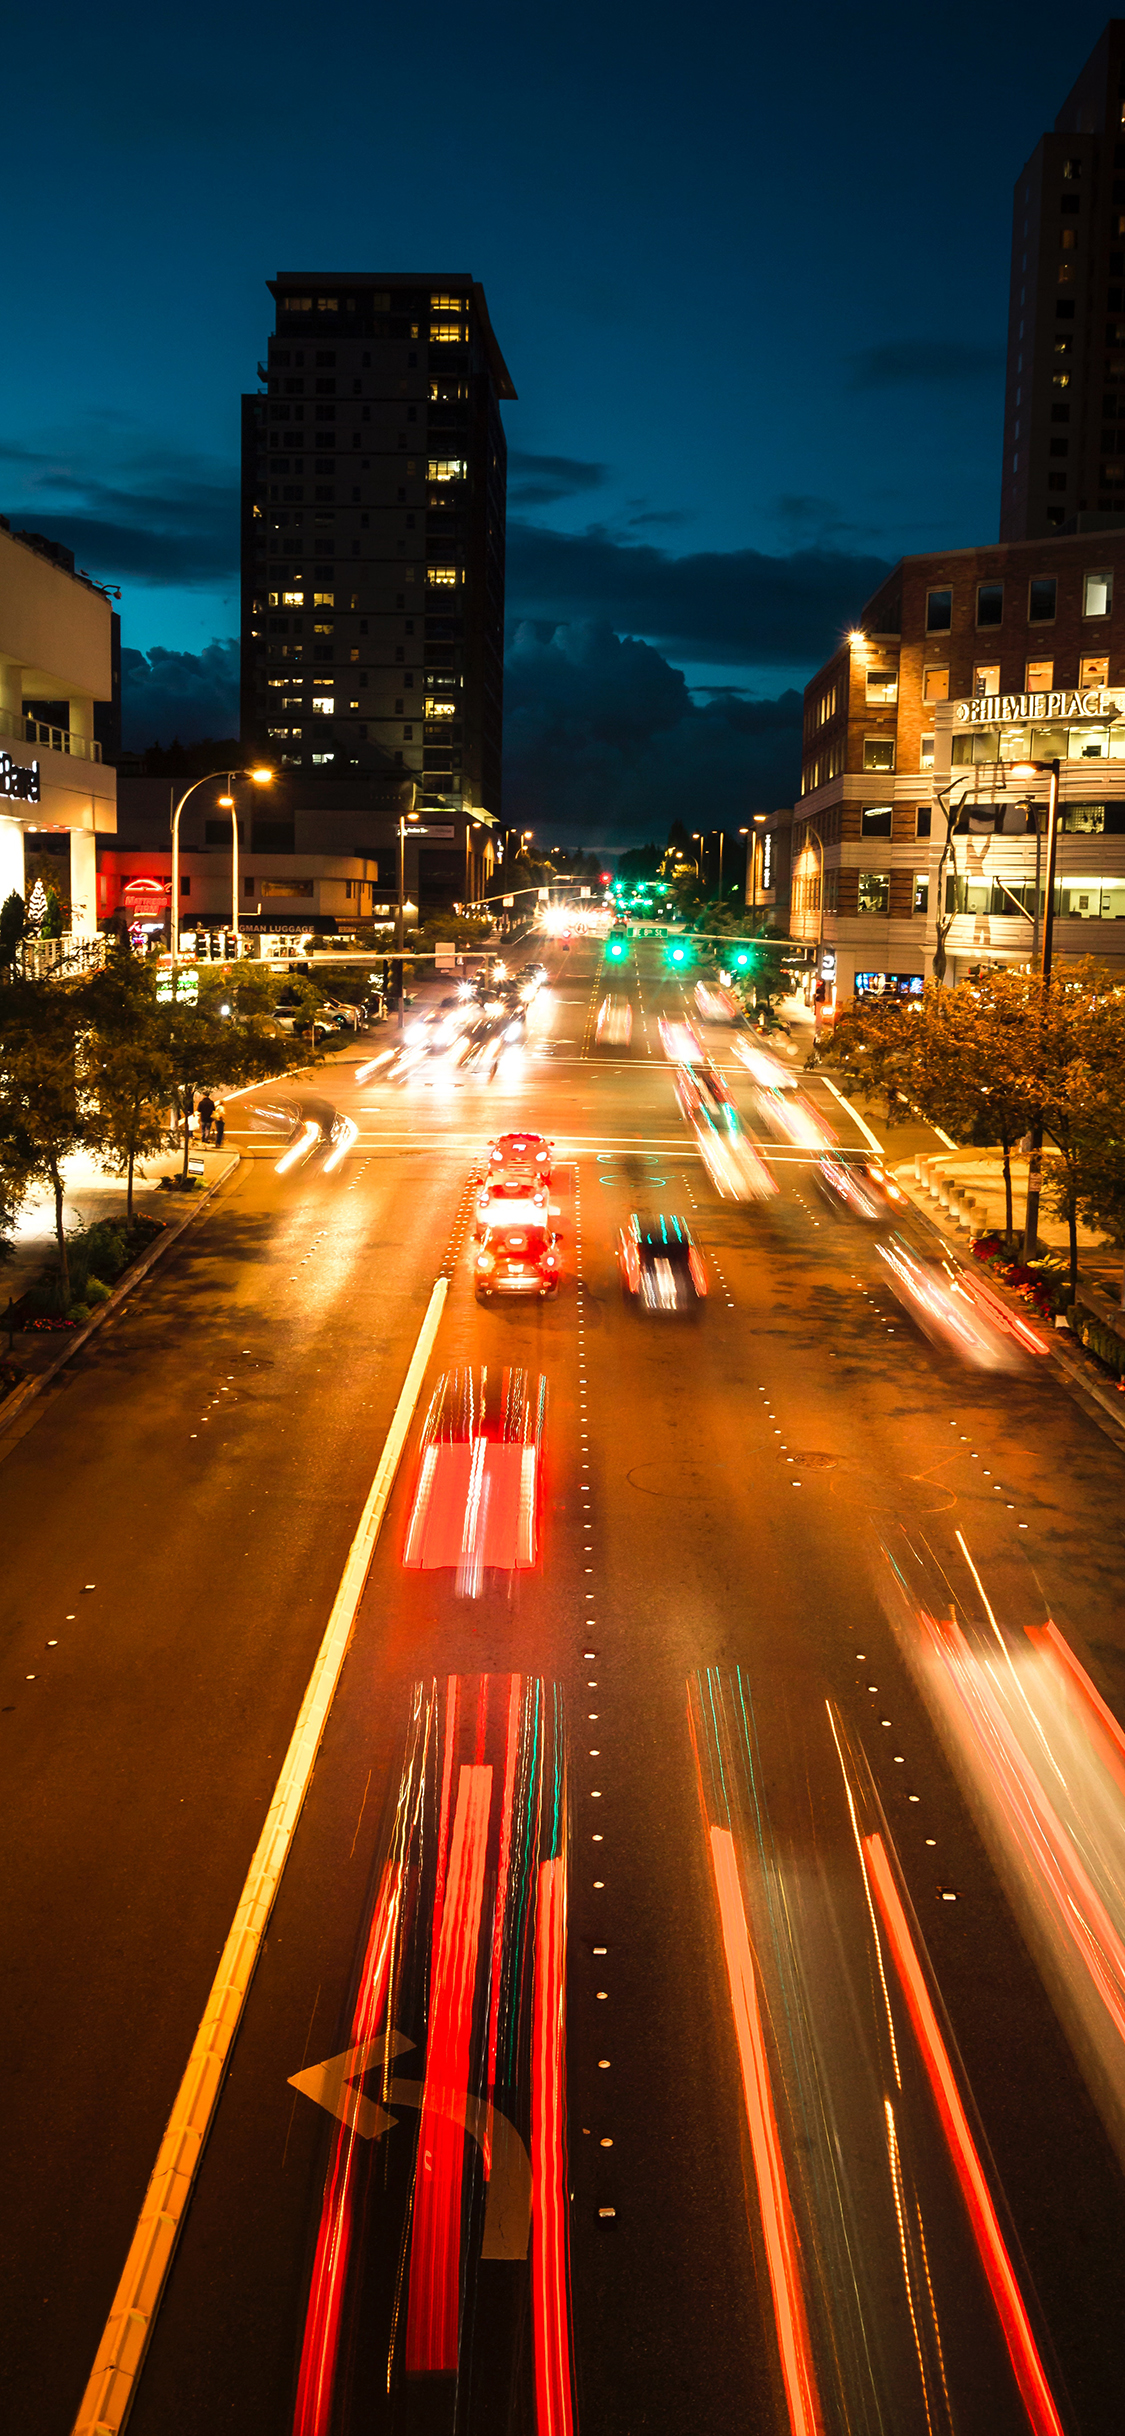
x=718, y=1920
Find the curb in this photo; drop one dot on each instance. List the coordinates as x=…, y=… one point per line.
x=1068, y=1360
x=15, y=1405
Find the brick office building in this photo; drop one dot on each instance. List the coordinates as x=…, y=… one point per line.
x=964, y=663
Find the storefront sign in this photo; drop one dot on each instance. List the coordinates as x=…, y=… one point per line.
x=889, y=985
x=828, y=963
x=1007, y=710
x=19, y=778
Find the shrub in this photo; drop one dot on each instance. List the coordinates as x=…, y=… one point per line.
x=97, y=1291
x=78, y=1312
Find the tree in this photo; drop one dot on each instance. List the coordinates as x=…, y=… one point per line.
x=203, y=1047
x=125, y=1066
x=639, y=863
x=1082, y=1094
x=13, y=924
x=41, y=1121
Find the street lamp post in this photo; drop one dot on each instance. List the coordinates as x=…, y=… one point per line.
x=261, y=778
x=1050, y=771
x=400, y=926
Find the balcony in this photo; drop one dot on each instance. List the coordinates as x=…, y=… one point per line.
x=73, y=957
x=56, y=739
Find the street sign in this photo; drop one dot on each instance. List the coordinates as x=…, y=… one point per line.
x=418, y=829
x=187, y=986
x=445, y=955
x=507, y=900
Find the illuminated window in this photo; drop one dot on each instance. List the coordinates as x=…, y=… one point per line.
x=446, y=304
x=986, y=677
x=296, y=304
x=445, y=469
x=1097, y=595
x=451, y=332
x=442, y=575
x=921, y=892
x=875, y=821
x=1040, y=676
x=874, y=892
x=1068, y=239
x=279, y=681
x=935, y=685
x=878, y=752
x=440, y=710
x=882, y=685
x=324, y=626
x=1060, y=380
x=1066, y=273
x=325, y=704
x=1093, y=673
x=324, y=600
x=328, y=304
x=319, y=757
x=926, y=753
x=293, y=600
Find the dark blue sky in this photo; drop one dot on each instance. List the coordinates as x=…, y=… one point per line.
x=748, y=268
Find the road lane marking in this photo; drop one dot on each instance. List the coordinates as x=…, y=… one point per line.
x=121, y=2352
x=865, y=1130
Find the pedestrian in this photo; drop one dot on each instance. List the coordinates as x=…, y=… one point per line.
x=220, y=1125
x=206, y=1112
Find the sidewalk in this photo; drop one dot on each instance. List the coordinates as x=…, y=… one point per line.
x=90, y=1197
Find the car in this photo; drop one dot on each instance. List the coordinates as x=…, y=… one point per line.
x=521, y=1156
x=478, y=1491
x=661, y=1268
x=614, y=1023
x=716, y=1004
x=700, y=1089
x=680, y=1041
x=955, y=1308
x=512, y=1201
x=791, y=1117
x=516, y=1259
x=862, y=1186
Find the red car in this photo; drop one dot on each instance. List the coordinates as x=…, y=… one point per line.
x=477, y=1498
x=521, y=1158
x=517, y=1260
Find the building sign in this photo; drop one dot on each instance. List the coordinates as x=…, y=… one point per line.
x=828, y=964
x=20, y=779
x=1007, y=710
x=889, y=985
x=146, y=900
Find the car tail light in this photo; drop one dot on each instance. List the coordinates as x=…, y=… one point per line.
x=699, y=1273
x=486, y=1261
x=550, y=1262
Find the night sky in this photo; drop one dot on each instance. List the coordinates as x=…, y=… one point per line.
x=748, y=269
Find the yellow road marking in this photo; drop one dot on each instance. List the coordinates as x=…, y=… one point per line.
x=121, y=2351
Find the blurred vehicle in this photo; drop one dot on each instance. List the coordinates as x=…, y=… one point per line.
x=954, y=1308
x=701, y=1088
x=520, y=1157
x=680, y=1041
x=790, y=1117
x=512, y=1201
x=661, y=1268
x=716, y=1005
x=770, y=1071
x=862, y=1186
x=614, y=1024
x=478, y=1492
x=516, y=1259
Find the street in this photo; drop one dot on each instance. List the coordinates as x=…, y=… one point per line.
x=835, y=2124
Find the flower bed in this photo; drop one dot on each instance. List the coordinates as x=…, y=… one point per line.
x=99, y=1257
x=1042, y=1285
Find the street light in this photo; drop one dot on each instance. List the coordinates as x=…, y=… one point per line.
x=752, y=834
x=1050, y=771
x=401, y=936
x=260, y=778
x=697, y=840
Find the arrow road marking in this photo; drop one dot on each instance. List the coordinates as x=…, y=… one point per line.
x=507, y=2215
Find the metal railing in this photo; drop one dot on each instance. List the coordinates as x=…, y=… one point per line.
x=69, y=958
x=57, y=739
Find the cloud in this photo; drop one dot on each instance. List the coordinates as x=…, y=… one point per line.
x=741, y=608
x=158, y=516
x=604, y=745
x=925, y=359
x=539, y=481
x=664, y=516
x=188, y=694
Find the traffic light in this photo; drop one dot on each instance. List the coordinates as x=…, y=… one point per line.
x=743, y=959
x=678, y=952
x=616, y=951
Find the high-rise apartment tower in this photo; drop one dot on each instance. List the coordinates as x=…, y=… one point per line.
x=373, y=503
x=1064, y=412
